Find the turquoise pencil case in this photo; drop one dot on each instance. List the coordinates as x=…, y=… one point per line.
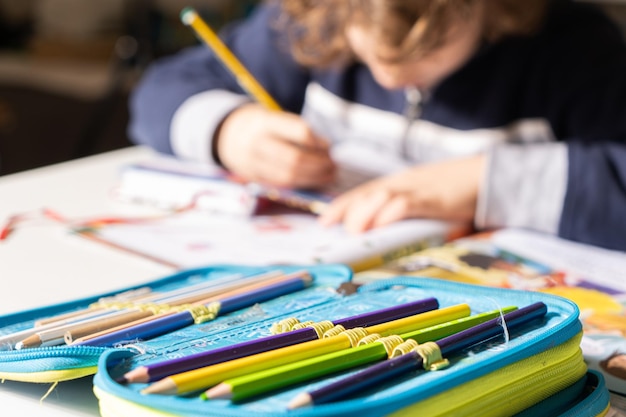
x=61, y=363
x=544, y=355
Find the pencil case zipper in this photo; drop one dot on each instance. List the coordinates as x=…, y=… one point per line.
x=58, y=363
x=534, y=379
x=78, y=361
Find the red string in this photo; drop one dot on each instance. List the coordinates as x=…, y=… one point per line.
x=14, y=220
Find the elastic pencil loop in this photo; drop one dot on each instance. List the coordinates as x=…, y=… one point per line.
x=114, y=305
x=354, y=335
x=390, y=343
x=284, y=325
x=370, y=338
x=338, y=329
x=204, y=313
x=321, y=327
x=403, y=348
x=302, y=325
x=505, y=329
x=431, y=356
x=154, y=307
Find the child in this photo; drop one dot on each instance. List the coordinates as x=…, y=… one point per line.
x=497, y=112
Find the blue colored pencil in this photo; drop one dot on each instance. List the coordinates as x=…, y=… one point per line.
x=171, y=322
x=389, y=369
x=153, y=372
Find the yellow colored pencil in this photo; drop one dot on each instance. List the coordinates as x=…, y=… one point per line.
x=208, y=376
x=246, y=80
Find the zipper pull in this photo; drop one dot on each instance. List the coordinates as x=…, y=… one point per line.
x=412, y=111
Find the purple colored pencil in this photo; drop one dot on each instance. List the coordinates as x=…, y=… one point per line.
x=156, y=371
x=411, y=361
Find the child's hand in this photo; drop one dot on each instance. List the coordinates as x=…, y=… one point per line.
x=446, y=190
x=275, y=148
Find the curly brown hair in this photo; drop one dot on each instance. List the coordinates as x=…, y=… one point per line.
x=316, y=28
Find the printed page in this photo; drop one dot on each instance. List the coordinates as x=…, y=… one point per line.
x=194, y=239
x=601, y=266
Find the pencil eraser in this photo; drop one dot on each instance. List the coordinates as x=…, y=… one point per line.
x=187, y=15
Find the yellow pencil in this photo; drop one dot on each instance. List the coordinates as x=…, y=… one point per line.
x=208, y=376
x=246, y=80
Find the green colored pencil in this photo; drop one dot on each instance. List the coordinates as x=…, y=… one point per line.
x=257, y=383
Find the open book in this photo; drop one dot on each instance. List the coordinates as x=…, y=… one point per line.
x=173, y=184
x=196, y=238
x=592, y=277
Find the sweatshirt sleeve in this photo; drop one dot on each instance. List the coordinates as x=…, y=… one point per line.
x=576, y=187
x=182, y=99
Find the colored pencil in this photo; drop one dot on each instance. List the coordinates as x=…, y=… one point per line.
x=204, y=297
x=56, y=335
x=94, y=320
x=185, y=318
x=412, y=361
x=130, y=295
x=208, y=376
x=245, y=80
x=258, y=383
x=47, y=332
x=163, y=369
x=146, y=294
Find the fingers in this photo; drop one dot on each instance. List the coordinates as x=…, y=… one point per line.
x=446, y=190
x=289, y=164
x=292, y=128
x=276, y=148
x=360, y=212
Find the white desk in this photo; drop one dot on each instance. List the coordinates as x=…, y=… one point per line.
x=41, y=264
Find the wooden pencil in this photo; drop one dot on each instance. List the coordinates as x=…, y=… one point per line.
x=55, y=334
x=246, y=386
x=166, y=368
x=162, y=325
x=244, y=78
x=205, y=377
x=258, y=282
x=387, y=370
x=30, y=337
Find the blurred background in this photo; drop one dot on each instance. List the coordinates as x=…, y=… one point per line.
x=67, y=66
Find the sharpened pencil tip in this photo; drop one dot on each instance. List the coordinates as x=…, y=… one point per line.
x=163, y=387
x=121, y=380
x=135, y=375
x=221, y=391
x=301, y=400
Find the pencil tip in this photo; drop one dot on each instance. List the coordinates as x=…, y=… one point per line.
x=221, y=391
x=163, y=387
x=121, y=380
x=29, y=342
x=135, y=375
x=301, y=400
